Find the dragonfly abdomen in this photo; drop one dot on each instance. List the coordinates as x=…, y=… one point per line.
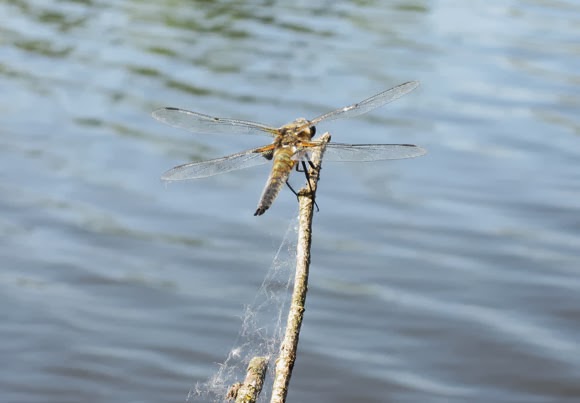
x=283, y=164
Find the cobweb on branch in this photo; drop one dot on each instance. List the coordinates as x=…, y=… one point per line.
x=262, y=327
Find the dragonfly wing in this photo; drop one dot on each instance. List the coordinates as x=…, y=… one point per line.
x=368, y=104
x=371, y=152
x=200, y=123
x=202, y=169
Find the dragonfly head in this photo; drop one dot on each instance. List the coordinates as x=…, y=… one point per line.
x=300, y=129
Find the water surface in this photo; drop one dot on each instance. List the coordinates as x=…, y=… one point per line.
x=452, y=277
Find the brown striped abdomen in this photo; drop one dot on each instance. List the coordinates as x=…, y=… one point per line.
x=281, y=169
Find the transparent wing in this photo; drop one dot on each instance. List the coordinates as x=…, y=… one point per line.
x=368, y=104
x=202, y=169
x=371, y=152
x=200, y=123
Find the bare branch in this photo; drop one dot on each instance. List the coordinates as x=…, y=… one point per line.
x=287, y=357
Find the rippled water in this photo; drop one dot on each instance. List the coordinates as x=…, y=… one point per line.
x=452, y=277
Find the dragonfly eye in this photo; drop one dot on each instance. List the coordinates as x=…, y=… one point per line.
x=313, y=130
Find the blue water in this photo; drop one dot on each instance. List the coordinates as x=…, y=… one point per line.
x=454, y=277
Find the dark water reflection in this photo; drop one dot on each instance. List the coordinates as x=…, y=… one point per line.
x=453, y=277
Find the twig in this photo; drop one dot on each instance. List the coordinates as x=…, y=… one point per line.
x=285, y=361
x=249, y=391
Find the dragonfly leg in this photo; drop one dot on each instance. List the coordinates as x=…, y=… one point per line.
x=291, y=188
x=307, y=175
x=304, y=166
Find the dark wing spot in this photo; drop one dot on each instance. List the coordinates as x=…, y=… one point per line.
x=268, y=154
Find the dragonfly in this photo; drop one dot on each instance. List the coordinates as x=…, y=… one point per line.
x=292, y=143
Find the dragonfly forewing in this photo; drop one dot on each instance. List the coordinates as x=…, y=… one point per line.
x=202, y=169
x=368, y=104
x=200, y=123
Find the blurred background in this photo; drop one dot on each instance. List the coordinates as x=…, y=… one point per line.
x=453, y=277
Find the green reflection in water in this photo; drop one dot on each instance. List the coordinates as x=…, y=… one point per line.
x=144, y=71
x=191, y=89
x=43, y=47
x=161, y=51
